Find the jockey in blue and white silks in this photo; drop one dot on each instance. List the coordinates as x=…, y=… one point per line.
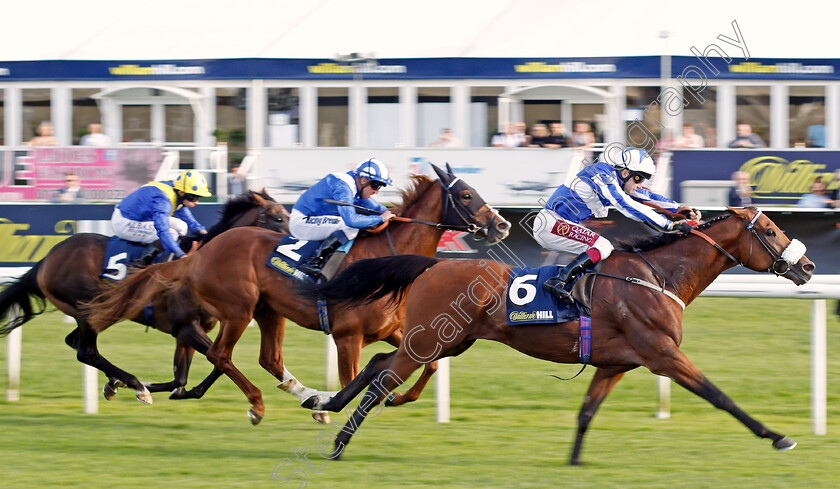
x=160, y=210
x=313, y=219
x=557, y=226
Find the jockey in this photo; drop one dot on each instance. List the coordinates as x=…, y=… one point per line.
x=557, y=226
x=312, y=219
x=160, y=210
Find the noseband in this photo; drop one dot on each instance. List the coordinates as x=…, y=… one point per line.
x=794, y=251
x=461, y=212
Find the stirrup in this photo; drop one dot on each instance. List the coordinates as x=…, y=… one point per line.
x=557, y=287
x=313, y=269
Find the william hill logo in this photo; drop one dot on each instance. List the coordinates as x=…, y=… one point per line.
x=370, y=67
x=782, y=68
x=167, y=69
x=572, y=67
x=520, y=316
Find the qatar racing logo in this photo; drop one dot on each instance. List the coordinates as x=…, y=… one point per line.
x=453, y=242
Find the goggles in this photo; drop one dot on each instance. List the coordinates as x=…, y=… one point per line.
x=191, y=197
x=376, y=185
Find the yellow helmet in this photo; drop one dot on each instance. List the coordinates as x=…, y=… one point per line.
x=192, y=182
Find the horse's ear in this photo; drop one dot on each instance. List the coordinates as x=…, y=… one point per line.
x=257, y=198
x=449, y=169
x=440, y=174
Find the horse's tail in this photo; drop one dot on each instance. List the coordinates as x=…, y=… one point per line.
x=128, y=298
x=17, y=299
x=369, y=280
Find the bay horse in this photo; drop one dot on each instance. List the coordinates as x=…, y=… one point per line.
x=230, y=279
x=68, y=277
x=449, y=304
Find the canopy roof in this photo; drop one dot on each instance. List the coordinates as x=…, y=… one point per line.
x=213, y=29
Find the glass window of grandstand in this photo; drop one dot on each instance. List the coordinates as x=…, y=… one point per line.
x=806, y=116
x=137, y=123
x=36, y=110
x=638, y=104
x=383, y=117
x=752, y=107
x=484, y=114
x=85, y=112
x=230, y=121
x=592, y=116
x=701, y=117
x=2, y=118
x=333, y=117
x=433, y=113
x=283, y=117
x=180, y=123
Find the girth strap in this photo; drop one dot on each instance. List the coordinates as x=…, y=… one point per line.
x=645, y=283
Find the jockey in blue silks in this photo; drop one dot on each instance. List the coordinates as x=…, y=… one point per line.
x=312, y=219
x=557, y=226
x=161, y=210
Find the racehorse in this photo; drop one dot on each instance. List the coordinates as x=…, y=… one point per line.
x=251, y=289
x=631, y=325
x=69, y=277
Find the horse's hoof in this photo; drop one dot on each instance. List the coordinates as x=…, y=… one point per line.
x=783, y=444
x=109, y=391
x=178, y=393
x=322, y=417
x=311, y=401
x=145, y=396
x=254, y=417
x=120, y=383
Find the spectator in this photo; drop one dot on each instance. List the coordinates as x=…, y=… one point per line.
x=583, y=137
x=446, y=140
x=816, y=133
x=817, y=197
x=689, y=138
x=507, y=139
x=236, y=181
x=557, y=139
x=739, y=195
x=520, y=132
x=539, y=136
x=94, y=137
x=71, y=193
x=45, y=136
x=745, y=138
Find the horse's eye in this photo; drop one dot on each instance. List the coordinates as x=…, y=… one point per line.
x=467, y=196
x=770, y=233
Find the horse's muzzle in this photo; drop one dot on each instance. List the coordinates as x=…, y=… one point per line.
x=498, y=230
x=801, y=272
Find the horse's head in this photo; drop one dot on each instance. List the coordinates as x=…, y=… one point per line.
x=463, y=206
x=777, y=253
x=272, y=215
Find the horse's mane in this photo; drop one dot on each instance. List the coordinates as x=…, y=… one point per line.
x=233, y=209
x=409, y=195
x=646, y=243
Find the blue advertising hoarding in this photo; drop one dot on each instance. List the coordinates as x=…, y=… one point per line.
x=777, y=177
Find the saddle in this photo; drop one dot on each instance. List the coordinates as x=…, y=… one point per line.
x=582, y=289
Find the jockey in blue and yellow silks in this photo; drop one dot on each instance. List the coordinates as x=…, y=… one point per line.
x=160, y=210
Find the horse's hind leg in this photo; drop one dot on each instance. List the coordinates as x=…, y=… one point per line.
x=413, y=393
x=382, y=383
x=678, y=367
x=181, y=367
x=88, y=354
x=602, y=384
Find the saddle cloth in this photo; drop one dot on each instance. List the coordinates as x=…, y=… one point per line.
x=528, y=303
x=118, y=254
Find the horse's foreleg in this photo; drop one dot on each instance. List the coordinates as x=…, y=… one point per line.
x=678, y=367
x=602, y=384
x=412, y=394
x=343, y=397
x=181, y=367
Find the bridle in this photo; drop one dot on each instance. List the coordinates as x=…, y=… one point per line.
x=782, y=262
x=461, y=212
x=262, y=218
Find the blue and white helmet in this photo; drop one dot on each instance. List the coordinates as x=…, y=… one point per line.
x=374, y=169
x=637, y=160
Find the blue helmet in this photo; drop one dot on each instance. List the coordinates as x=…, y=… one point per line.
x=374, y=169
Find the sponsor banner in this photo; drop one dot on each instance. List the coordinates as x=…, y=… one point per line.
x=778, y=177
x=29, y=231
x=104, y=173
x=326, y=69
x=716, y=66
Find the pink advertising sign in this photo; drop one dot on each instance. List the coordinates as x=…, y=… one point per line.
x=106, y=174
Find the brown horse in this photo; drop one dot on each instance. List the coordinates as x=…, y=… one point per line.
x=632, y=325
x=69, y=277
x=230, y=279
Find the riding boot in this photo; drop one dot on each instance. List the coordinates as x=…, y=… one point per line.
x=313, y=265
x=566, y=276
x=149, y=254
